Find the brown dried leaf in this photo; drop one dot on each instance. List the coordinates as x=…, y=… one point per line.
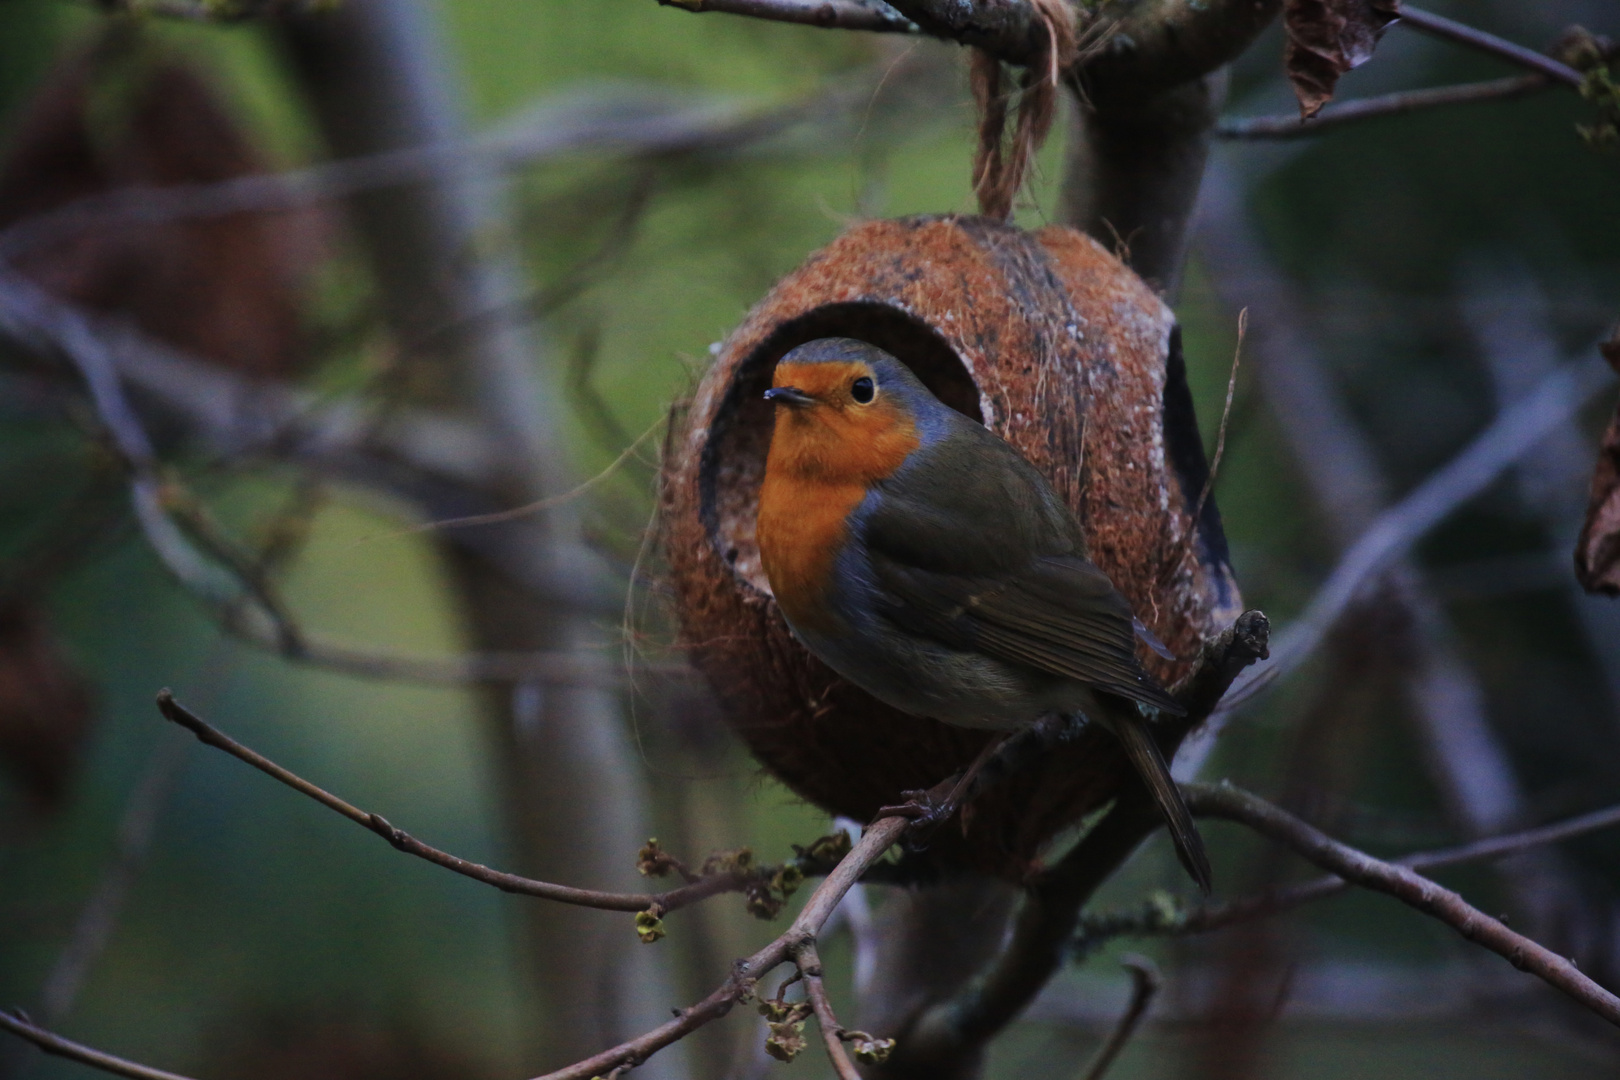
x=119, y=114
x=1597, y=552
x=1326, y=38
x=45, y=708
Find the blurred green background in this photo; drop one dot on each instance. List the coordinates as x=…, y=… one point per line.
x=264, y=937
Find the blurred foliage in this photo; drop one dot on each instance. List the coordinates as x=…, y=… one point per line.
x=268, y=938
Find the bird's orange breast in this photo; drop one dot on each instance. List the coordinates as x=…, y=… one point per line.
x=823, y=459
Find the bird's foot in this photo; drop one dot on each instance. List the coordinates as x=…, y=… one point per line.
x=923, y=808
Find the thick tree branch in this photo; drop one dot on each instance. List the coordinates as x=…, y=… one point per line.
x=1359, y=868
x=1222, y=659
x=1150, y=46
x=1338, y=114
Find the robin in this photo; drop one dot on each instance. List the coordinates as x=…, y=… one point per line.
x=923, y=559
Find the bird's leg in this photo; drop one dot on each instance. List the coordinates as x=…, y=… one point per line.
x=927, y=809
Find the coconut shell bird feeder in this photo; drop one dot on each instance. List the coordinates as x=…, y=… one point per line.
x=1055, y=345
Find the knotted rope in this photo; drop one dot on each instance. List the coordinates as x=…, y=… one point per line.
x=998, y=171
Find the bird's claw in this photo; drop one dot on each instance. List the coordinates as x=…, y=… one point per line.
x=925, y=812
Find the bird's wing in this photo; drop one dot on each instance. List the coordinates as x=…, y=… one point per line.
x=1007, y=582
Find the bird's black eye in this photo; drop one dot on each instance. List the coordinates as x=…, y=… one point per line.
x=862, y=391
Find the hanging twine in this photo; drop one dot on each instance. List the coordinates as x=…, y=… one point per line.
x=998, y=171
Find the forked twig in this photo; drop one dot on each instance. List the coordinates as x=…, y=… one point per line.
x=1406, y=885
x=1155, y=921
x=1145, y=984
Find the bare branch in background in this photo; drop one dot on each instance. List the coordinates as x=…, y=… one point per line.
x=1512, y=435
x=1359, y=868
x=633, y=123
x=1472, y=772
x=174, y=525
x=1371, y=108
x=1450, y=30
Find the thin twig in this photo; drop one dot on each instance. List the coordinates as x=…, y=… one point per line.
x=54, y=1044
x=561, y=668
x=1290, y=126
x=1145, y=984
x=658, y=903
x=828, y=14
x=879, y=837
x=1174, y=563
x=1226, y=416
x=1441, y=27
x=1359, y=868
x=832, y=1032
x=517, y=513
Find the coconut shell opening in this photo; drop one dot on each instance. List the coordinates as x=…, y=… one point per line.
x=733, y=465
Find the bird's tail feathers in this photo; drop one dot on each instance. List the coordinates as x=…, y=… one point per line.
x=1144, y=755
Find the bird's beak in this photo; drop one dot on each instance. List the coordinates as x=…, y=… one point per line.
x=789, y=395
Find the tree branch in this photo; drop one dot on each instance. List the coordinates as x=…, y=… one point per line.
x=1441, y=27
x=20, y=1026
x=828, y=14
x=797, y=941
x=879, y=837
x=1359, y=868
x=1145, y=984
x=1157, y=920
x=1515, y=432
x=1154, y=45
x=832, y=1032
x=1396, y=104
x=656, y=903
x=632, y=124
